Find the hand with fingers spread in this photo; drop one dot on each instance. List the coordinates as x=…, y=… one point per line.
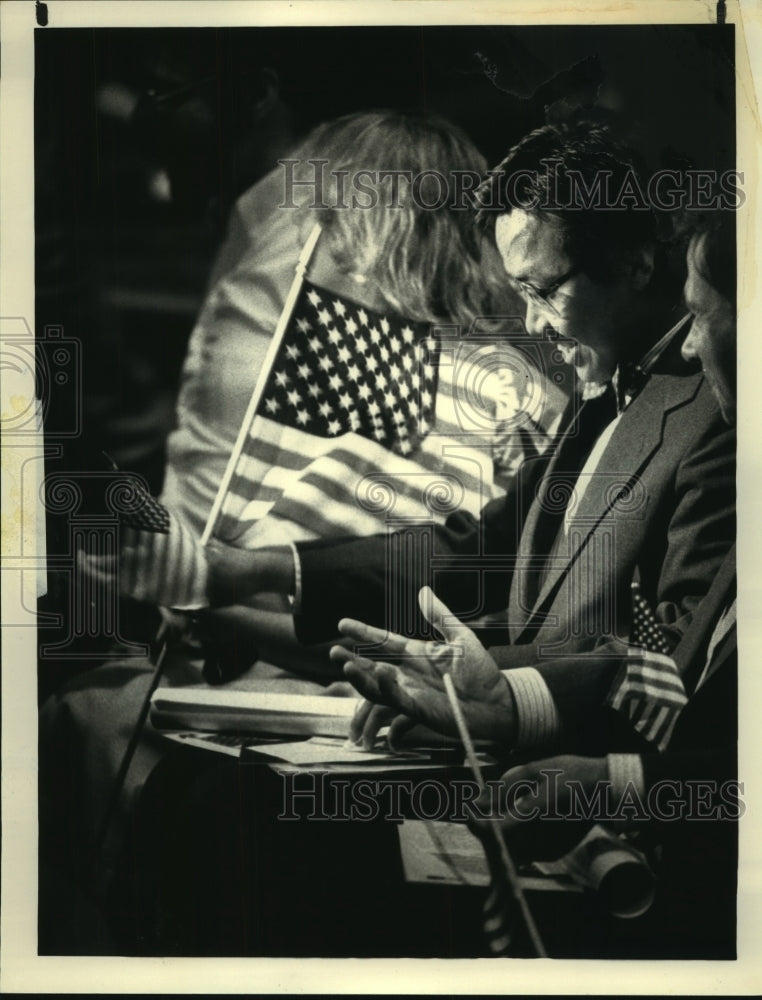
x=413, y=686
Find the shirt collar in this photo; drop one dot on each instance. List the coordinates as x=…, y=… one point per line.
x=630, y=377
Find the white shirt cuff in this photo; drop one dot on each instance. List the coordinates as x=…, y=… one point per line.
x=625, y=769
x=296, y=597
x=538, y=720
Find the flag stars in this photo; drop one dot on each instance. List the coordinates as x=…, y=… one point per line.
x=344, y=354
x=352, y=327
x=315, y=345
x=384, y=352
x=385, y=325
x=282, y=379
x=345, y=401
x=314, y=298
x=304, y=371
x=363, y=316
x=407, y=362
x=303, y=324
x=338, y=307
x=324, y=316
x=334, y=336
x=325, y=410
x=293, y=351
x=375, y=335
x=335, y=381
x=302, y=417
x=408, y=335
x=272, y=405
x=396, y=344
x=314, y=390
x=293, y=397
x=363, y=391
x=334, y=428
x=325, y=363
x=354, y=372
x=361, y=343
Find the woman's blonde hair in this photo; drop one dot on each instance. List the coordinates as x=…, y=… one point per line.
x=427, y=263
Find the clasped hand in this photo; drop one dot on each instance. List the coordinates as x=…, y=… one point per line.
x=411, y=690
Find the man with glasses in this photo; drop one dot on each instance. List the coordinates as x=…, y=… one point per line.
x=641, y=477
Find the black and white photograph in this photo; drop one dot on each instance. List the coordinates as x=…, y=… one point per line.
x=372, y=495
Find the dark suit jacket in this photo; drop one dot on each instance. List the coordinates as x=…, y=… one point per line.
x=704, y=740
x=662, y=498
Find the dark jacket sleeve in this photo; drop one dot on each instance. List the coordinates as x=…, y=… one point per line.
x=467, y=561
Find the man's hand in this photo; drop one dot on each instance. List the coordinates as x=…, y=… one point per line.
x=414, y=686
x=545, y=808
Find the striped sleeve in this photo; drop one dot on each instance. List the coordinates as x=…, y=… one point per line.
x=539, y=723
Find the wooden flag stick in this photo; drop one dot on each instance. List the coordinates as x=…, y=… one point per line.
x=508, y=865
x=264, y=374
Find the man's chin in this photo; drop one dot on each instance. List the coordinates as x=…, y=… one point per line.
x=588, y=365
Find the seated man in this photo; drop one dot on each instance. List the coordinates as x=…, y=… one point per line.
x=686, y=797
x=642, y=474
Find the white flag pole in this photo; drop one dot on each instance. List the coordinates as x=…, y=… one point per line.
x=264, y=374
x=162, y=640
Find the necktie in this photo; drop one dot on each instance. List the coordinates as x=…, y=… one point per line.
x=558, y=489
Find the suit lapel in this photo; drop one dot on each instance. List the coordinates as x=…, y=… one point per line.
x=635, y=440
x=688, y=653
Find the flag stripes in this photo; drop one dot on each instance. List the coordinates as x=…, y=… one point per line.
x=355, y=405
x=162, y=560
x=648, y=689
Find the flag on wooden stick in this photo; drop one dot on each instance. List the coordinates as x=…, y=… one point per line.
x=342, y=431
x=648, y=689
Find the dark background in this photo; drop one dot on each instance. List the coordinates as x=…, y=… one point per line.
x=122, y=262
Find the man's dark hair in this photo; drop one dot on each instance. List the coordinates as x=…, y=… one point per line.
x=717, y=262
x=575, y=173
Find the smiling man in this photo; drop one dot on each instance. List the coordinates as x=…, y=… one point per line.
x=641, y=477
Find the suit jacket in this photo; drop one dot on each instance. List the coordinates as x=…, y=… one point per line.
x=696, y=906
x=662, y=498
x=703, y=743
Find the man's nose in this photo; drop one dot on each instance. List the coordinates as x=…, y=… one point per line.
x=689, y=350
x=536, y=320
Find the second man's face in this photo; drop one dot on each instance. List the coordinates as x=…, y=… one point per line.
x=588, y=317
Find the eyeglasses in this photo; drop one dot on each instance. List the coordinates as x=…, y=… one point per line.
x=541, y=297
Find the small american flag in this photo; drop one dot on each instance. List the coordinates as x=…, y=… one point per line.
x=161, y=561
x=343, y=429
x=648, y=689
x=498, y=911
